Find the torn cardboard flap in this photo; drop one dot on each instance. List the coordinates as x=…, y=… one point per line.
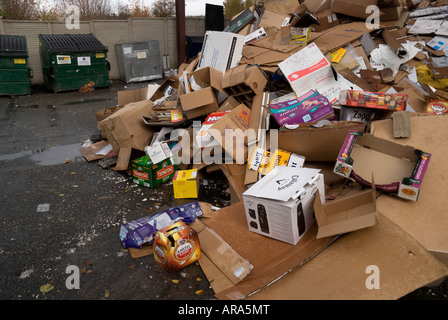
x=125, y=130
x=230, y=132
x=224, y=256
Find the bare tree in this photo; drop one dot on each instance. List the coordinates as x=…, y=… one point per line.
x=92, y=9
x=164, y=8
x=233, y=7
x=136, y=8
x=19, y=9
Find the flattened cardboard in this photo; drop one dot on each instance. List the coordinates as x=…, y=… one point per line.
x=223, y=256
x=339, y=271
x=277, y=258
x=426, y=219
x=316, y=6
x=340, y=36
x=353, y=8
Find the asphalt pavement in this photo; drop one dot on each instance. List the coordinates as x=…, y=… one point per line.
x=61, y=215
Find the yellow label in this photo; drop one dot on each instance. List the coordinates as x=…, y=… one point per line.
x=337, y=55
x=176, y=115
x=100, y=55
x=271, y=160
x=19, y=61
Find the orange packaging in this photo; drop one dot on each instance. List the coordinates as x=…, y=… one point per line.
x=176, y=246
x=437, y=106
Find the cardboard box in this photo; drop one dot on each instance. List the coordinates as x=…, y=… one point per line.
x=294, y=35
x=373, y=100
x=176, y=247
x=140, y=232
x=185, y=184
x=221, y=50
x=391, y=13
x=231, y=132
x=146, y=173
x=204, y=99
x=203, y=138
x=133, y=95
x=316, y=6
x=308, y=69
x=300, y=36
x=125, y=130
x=254, y=36
x=397, y=170
x=244, y=82
x=239, y=22
x=340, y=35
x=317, y=144
x=173, y=82
x=310, y=107
x=105, y=112
x=353, y=8
x=356, y=114
x=280, y=205
x=327, y=19
x=345, y=215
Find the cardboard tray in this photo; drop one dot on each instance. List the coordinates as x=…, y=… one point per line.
x=397, y=169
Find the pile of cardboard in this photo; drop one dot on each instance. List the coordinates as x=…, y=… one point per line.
x=336, y=156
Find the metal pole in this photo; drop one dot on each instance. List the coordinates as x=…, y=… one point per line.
x=180, y=30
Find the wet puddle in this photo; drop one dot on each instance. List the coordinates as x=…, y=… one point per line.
x=48, y=156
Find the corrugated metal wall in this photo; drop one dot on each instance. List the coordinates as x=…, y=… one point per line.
x=109, y=32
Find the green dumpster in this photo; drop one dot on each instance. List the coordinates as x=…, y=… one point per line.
x=70, y=61
x=14, y=71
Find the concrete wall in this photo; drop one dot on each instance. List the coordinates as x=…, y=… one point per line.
x=109, y=32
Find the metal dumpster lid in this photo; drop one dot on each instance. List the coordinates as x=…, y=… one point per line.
x=13, y=46
x=72, y=42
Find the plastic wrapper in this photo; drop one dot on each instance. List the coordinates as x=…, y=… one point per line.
x=138, y=232
x=425, y=76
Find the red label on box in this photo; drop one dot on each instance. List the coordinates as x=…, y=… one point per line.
x=140, y=175
x=165, y=172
